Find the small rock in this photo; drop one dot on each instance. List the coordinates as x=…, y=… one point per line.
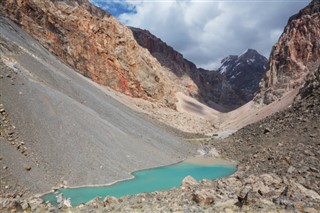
x=15, y=205
x=2, y=110
x=5, y=167
x=67, y=203
x=189, y=181
x=266, y=131
x=27, y=167
x=1, y=76
x=10, y=133
x=25, y=205
x=312, y=169
x=94, y=203
x=35, y=203
x=291, y=169
x=203, y=197
x=109, y=200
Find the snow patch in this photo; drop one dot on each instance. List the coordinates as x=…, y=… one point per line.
x=223, y=69
x=250, y=61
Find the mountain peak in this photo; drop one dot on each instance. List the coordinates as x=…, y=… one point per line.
x=244, y=72
x=250, y=53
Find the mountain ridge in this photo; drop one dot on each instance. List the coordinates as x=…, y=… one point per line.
x=214, y=88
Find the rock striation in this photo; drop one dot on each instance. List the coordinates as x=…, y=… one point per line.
x=96, y=45
x=244, y=72
x=294, y=55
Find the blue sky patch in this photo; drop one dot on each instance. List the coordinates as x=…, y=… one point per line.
x=115, y=7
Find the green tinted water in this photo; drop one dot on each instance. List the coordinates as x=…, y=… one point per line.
x=145, y=181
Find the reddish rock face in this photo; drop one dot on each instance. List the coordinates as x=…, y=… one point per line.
x=93, y=42
x=295, y=55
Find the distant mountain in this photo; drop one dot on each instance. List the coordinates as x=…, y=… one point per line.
x=244, y=72
x=294, y=56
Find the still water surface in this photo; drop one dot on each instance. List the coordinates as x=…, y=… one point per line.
x=146, y=181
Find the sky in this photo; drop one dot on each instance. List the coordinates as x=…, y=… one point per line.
x=206, y=31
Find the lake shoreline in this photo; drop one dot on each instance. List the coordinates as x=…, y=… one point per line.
x=195, y=161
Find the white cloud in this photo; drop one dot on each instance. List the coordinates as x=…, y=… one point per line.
x=207, y=31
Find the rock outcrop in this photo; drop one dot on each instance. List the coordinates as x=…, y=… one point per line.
x=96, y=45
x=244, y=72
x=209, y=87
x=294, y=55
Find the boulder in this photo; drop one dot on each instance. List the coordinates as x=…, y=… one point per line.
x=203, y=197
x=110, y=199
x=189, y=181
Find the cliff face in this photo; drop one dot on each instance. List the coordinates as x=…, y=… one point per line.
x=244, y=72
x=295, y=54
x=211, y=87
x=96, y=44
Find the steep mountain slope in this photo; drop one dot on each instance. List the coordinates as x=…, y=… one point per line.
x=58, y=126
x=294, y=55
x=96, y=45
x=213, y=88
x=244, y=72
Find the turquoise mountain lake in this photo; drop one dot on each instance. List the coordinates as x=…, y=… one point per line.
x=145, y=181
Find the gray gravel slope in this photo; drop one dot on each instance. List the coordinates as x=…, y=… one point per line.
x=73, y=130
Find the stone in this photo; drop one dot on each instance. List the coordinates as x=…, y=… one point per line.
x=291, y=169
x=15, y=205
x=203, y=197
x=189, y=181
x=95, y=203
x=307, y=192
x=67, y=203
x=26, y=167
x=35, y=203
x=266, y=131
x=315, y=170
x=25, y=205
x=110, y=199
